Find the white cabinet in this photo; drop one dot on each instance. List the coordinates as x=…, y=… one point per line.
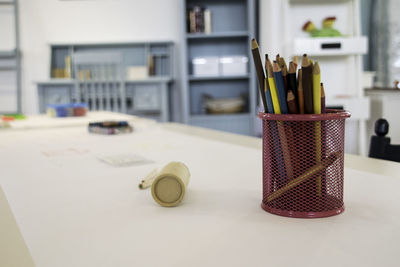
x=340, y=58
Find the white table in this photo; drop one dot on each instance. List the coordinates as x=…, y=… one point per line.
x=74, y=210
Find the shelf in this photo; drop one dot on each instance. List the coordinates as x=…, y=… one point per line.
x=7, y=68
x=317, y=1
x=202, y=117
x=330, y=46
x=239, y=123
x=7, y=53
x=218, y=78
x=165, y=79
x=214, y=35
x=7, y=3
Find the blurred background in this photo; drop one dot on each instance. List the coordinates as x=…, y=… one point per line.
x=190, y=61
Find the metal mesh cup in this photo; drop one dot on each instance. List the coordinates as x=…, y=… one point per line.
x=303, y=158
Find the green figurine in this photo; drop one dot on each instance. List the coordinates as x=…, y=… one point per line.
x=326, y=31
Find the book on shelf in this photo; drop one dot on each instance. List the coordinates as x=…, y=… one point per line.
x=150, y=65
x=67, y=73
x=63, y=73
x=199, y=20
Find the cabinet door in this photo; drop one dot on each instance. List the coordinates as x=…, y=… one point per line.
x=146, y=97
x=52, y=94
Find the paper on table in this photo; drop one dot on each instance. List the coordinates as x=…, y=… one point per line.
x=124, y=160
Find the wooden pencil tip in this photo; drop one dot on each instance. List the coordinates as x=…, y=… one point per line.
x=305, y=62
x=254, y=43
x=276, y=67
x=290, y=95
x=292, y=68
x=316, y=69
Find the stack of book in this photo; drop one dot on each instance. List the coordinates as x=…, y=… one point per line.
x=63, y=72
x=199, y=20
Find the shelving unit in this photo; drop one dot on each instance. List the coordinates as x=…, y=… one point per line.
x=233, y=26
x=10, y=59
x=341, y=56
x=145, y=96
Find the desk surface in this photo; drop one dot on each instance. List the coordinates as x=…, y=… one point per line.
x=43, y=121
x=74, y=210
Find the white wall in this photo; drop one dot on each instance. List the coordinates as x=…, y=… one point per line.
x=44, y=22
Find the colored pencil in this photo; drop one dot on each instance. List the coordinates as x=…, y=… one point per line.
x=268, y=97
x=309, y=173
x=281, y=130
x=295, y=61
x=306, y=68
x=280, y=87
x=316, y=89
x=322, y=98
x=283, y=66
x=292, y=105
x=272, y=87
x=317, y=110
x=259, y=70
x=300, y=93
x=292, y=79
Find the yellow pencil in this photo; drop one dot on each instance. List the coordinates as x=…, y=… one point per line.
x=317, y=110
x=317, y=89
x=272, y=87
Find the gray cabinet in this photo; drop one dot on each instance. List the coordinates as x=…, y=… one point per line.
x=137, y=83
x=148, y=98
x=10, y=58
x=232, y=28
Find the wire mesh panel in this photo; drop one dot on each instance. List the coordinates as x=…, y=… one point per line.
x=303, y=163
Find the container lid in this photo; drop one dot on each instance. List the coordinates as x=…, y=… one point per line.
x=168, y=190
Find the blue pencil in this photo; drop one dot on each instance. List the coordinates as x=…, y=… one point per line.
x=280, y=87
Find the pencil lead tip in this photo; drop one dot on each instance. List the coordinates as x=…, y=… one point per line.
x=254, y=43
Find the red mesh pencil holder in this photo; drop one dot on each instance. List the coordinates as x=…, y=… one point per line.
x=303, y=157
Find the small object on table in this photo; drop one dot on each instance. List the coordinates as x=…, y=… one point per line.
x=12, y=117
x=4, y=124
x=168, y=186
x=67, y=110
x=124, y=160
x=110, y=127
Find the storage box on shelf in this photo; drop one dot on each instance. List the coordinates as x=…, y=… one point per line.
x=216, y=75
x=330, y=46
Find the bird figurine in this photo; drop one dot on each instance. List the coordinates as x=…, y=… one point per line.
x=327, y=29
